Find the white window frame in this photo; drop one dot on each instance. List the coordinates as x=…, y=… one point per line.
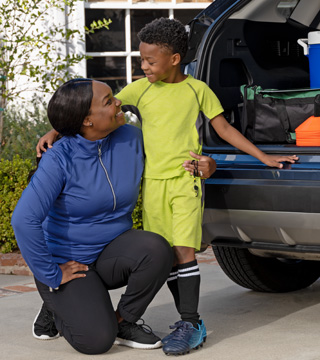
x=131, y=5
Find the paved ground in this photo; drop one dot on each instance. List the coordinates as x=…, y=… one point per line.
x=241, y=324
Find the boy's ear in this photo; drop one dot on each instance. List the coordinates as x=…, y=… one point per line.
x=176, y=59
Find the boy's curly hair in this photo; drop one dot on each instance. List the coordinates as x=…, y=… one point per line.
x=169, y=33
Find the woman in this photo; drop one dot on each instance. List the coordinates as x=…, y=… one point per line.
x=73, y=223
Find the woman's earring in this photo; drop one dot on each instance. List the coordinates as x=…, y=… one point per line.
x=90, y=124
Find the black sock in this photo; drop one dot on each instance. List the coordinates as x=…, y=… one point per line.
x=189, y=288
x=172, y=283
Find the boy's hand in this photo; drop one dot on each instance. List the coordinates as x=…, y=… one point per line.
x=276, y=160
x=236, y=139
x=206, y=165
x=49, y=138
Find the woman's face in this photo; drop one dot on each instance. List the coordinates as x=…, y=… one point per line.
x=105, y=113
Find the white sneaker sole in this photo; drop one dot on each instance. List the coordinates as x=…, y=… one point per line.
x=45, y=337
x=135, y=345
x=42, y=337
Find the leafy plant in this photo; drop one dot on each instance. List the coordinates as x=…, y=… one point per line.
x=137, y=214
x=31, y=48
x=97, y=25
x=22, y=130
x=13, y=180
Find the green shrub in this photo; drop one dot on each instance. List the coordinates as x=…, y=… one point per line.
x=137, y=214
x=22, y=130
x=13, y=180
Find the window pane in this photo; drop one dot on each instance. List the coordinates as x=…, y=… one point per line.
x=103, y=39
x=111, y=70
x=186, y=15
x=285, y=7
x=116, y=85
x=137, y=73
x=139, y=18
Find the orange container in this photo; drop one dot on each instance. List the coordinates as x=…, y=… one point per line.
x=308, y=133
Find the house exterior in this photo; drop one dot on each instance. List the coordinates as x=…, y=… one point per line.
x=114, y=53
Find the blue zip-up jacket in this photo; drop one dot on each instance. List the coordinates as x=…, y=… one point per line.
x=80, y=198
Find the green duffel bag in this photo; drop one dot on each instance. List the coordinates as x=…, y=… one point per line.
x=271, y=116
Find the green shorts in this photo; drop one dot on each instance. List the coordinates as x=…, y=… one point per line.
x=172, y=209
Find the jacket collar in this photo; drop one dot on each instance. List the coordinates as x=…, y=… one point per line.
x=92, y=147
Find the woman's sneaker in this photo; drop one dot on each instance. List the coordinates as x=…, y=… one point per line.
x=184, y=338
x=137, y=336
x=44, y=327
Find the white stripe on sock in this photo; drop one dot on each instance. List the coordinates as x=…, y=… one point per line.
x=189, y=269
x=174, y=273
x=172, y=278
x=190, y=274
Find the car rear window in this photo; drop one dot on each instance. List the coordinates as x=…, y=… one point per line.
x=286, y=7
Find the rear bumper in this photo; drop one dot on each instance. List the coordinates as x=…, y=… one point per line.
x=248, y=204
x=280, y=232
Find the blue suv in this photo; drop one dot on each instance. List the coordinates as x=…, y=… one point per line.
x=262, y=223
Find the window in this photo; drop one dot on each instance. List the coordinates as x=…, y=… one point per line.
x=106, y=40
x=108, y=69
x=139, y=18
x=115, y=52
x=285, y=7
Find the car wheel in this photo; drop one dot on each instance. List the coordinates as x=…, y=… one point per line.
x=266, y=274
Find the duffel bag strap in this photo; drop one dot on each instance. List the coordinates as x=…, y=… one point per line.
x=248, y=114
x=283, y=117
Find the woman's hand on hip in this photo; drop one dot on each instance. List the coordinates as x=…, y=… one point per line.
x=70, y=270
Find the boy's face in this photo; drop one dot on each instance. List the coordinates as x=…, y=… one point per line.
x=158, y=63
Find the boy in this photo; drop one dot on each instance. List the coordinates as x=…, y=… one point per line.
x=170, y=104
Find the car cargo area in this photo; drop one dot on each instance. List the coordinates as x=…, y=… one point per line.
x=248, y=49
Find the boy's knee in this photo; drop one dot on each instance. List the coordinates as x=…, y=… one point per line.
x=183, y=254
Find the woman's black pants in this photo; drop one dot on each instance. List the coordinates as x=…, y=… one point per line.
x=83, y=311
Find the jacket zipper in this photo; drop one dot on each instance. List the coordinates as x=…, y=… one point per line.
x=107, y=175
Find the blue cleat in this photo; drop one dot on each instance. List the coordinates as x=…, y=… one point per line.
x=184, y=338
x=176, y=327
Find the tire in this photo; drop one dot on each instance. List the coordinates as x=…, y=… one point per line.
x=266, y=274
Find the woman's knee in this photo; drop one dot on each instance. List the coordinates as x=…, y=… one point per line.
x=154, y=242
x=158, y=249
x=94, y=342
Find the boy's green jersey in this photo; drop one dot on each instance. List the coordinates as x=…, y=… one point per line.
x=172, y=120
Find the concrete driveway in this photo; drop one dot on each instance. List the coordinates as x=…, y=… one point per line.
x=241, y=324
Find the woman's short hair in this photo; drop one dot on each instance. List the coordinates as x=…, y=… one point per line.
x=70, y=105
